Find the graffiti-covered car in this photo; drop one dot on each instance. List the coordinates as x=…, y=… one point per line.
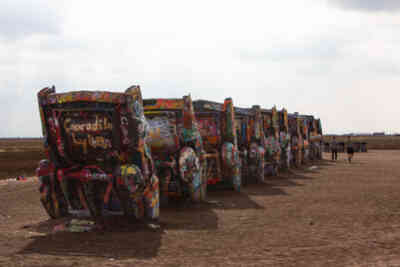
x=295, y=138
x=177, y=148
x=217, y=128
x=251, y=143
x=97, y=155
x=311, y=137
x=316, y=139
x=284, y=139
x=302, y=141
x=305, y=131
x=270, y=120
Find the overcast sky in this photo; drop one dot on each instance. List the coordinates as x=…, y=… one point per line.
x=335, y=59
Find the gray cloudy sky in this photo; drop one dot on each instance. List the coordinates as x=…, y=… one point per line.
x=335, y=59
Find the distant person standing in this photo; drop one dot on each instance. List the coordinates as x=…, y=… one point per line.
x=334, y=148
x=350, y=149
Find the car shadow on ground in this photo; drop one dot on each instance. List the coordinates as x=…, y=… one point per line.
x=287, y=178
x=274, y=184
x=311, y=167
x=229, y=199
x=123, y=239
x=268, y=188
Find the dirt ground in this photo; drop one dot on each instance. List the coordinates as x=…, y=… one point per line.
x=337, y=215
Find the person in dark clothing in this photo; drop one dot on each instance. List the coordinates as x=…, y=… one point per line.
x=350, y=149
x=334, y=148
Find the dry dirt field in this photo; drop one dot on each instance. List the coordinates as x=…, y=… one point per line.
x=19, y=157
x=337, y=215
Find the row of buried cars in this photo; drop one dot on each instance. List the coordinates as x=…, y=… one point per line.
x=116, y=152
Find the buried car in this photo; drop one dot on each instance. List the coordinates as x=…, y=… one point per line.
x=305, y=128
x=217, y=128
x=251, y=142
x=296, y=140
x=177, y=148
x=316, y=139
x=284, y=139
x=97, y=156
x=270, y=120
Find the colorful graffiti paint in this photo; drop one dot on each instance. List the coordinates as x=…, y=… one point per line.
x=100, y=148
x=272, y=146
x=163, y=133
x=251, y=140
x=219, y=132
x=164, y=104
x=177, y=147
x=98, y=157
x=284, y=139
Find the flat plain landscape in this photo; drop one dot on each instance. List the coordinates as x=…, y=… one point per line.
x=339, y=214
x=20, y=156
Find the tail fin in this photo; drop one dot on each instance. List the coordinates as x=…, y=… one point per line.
x=135, y=92
x=230, y=124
